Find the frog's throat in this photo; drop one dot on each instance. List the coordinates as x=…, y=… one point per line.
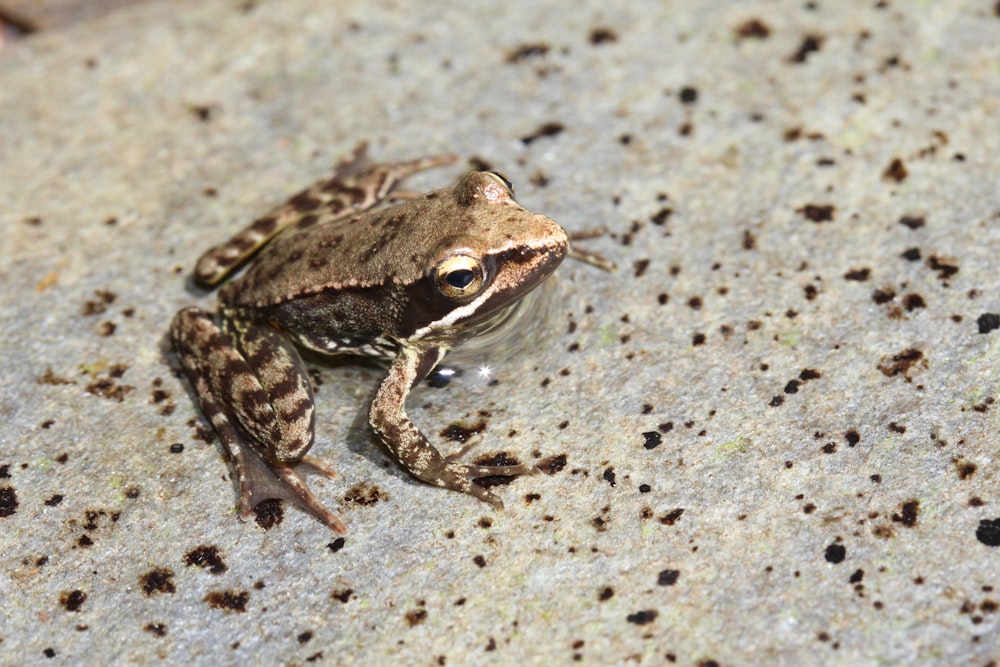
x=506, y=331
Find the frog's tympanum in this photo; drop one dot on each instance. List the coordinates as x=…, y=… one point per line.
x=335, y=272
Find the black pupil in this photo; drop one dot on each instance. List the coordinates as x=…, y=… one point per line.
x=461, y=278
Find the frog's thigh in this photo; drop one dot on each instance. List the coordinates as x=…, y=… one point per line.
x=232, y=382
x=275, y=366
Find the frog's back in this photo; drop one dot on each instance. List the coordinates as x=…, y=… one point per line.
x=391, y=246
x=316, y=256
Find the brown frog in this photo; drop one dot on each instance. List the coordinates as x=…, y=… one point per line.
x=336, y=273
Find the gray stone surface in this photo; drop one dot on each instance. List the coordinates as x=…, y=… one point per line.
x=777, y=416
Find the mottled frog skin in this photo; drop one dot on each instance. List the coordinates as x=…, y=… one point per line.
x=338, y=271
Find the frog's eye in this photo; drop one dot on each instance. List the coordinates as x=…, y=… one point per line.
x=500, y=176
x=459, y=276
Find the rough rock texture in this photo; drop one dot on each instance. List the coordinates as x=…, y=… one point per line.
x=770, y=437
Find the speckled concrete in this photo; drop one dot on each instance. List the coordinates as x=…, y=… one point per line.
x=771, y=435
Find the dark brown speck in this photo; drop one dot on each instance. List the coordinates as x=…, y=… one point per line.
x=72, y=600
x=157, y=581
x=235, y=601
x=753, y=29
x=8, y=501
x=896, y=171
x=206, y=557
x=602, y=36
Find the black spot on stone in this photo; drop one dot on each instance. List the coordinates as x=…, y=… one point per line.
x=882, y=296
x=835, y=553
x=462, y=433
x=72, y=600
x=901, y=363
x=652, y=439
x=988, y=322
x=156, y=629
x=896, y=171
x=913, y=222
x=753, y=29
x=8, y=501
x=859, y=275
x=688, y=95
x=661, y=216
x=228, y=600
x=552, y=464
x=526, y=51
x=206, y=557
x=988, y=532
x=602, y=36
x=909, y=511
x=671, y=517
x=817, y=212
x=668, y=577
x=157, y=581
x=549, y=129
x=269, y=513
x=365, y=494
x=944, y=268
x=809, y=44
x=343, y=594
x=643, y=617
x=913, y=301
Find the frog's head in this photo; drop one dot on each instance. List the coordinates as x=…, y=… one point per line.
x=499, y=253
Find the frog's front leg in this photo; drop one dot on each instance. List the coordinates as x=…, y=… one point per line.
x=252, y=385
x=409, y=446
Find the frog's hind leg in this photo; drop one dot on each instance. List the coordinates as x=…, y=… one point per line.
x=242, y=408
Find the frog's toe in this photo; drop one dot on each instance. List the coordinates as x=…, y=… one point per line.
x=318, y=465
x=486, y=496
